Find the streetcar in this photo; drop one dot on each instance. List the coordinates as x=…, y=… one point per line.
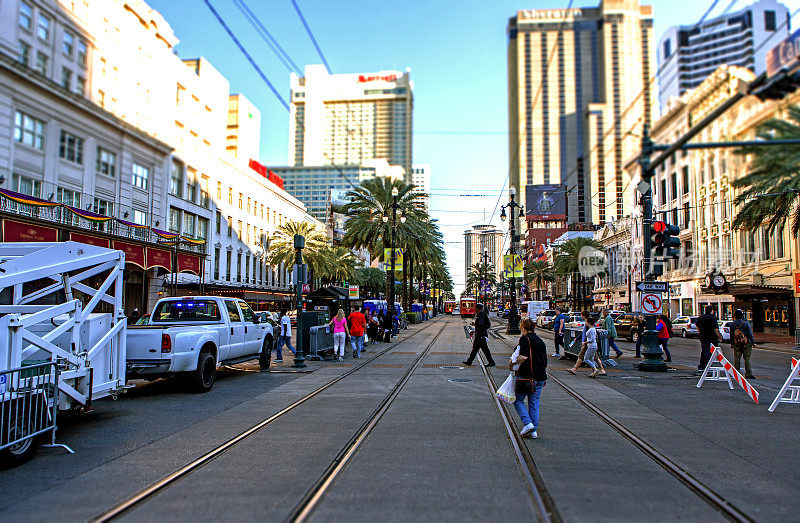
x=449, y=305
x=467, y=307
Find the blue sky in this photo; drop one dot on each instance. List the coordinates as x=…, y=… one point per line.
x=457, y=54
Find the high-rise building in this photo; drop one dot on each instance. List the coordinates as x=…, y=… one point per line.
x=345, y=119
x=244, y=128
x=421, y=178
x=480, y=239
x=579, y=93
x=688, y=54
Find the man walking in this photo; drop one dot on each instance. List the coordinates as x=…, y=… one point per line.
x=358, y=323
x=640, y=326
x=708, y=328
x=742, y=342
x=285, y=336
x=608, y=325
x=482, y=325
x=558, y=331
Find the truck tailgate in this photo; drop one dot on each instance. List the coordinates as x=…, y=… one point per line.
x=144, y=342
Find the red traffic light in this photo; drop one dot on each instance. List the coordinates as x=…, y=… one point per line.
x=659, y=226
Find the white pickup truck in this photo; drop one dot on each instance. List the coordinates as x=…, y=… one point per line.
x=191, y=336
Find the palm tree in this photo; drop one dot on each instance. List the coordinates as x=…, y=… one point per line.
x=771, y=189
x=316, y=254
x=480, y=271
x=343, y=268
x=567, y=263
x=539, y=271
x=371, y=280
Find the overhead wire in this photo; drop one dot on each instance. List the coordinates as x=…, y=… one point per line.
x=311, y=36
x=265, y=35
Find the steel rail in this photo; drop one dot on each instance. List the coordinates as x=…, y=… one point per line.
x=139, y=497
x=703, y=491
x=316, y=493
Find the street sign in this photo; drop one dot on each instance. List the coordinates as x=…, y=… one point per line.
x=353, y=292
x=652, y=286
x=651, y=303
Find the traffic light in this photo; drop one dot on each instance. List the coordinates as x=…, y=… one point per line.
x=664, y=245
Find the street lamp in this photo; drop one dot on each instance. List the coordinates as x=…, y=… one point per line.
x=390, y=273
x=484, y=275
x=299, y=244
x=513, y=314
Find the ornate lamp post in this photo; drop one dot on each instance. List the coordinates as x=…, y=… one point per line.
x=513, y=314
x=390, y=273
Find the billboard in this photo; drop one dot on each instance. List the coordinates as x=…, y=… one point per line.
x=512, y=269
x=785, y=54
x=546, y=202
x=398, y=259
x=338, y=200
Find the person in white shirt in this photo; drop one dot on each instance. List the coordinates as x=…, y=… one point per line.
x=285, y=335
x=589, y=348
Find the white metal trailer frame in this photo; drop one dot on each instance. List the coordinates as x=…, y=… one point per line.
x=68, y=265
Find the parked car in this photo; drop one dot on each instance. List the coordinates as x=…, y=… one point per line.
x=545, y=319
x=456, y=311
x=725, y=329
x=685, y=326
x=575, y=321
x=191, y=336
x=626, y=326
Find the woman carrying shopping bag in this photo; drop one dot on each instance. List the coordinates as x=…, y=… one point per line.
x=531, y=377
x=340, y=333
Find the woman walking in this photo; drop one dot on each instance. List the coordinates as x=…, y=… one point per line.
x=340, y=333
x=589, y=348
x=663, y=328
x=531, y=377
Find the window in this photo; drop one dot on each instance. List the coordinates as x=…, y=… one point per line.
x=778, y=241
x=82, y=52
x=68, y=44
x=24, y=56
x=765, y=243
x=685, y=179
x=42, y=61
x=228, y=267
x=247, y=268
x=233, y=311
x=66, y=78
x=103, y=207
x=667, y=49
x=216, y=263
x=219, y=222
x=219, y=190
x=769, y=20
x=239, y=230
x=43, y=27
x=106, y=162
x=25, y=15
x=204, y=199
x=189, y=220
x=240, y=200
x=140, y=176
x=81, y=86
x=25, y=185
x=230, y=195
x=70, y=147
x=176, y=179
x=255, y=207
x=28, y=130
x=230, y=226
x=239, y=266
x=262, y=211
x=674, y=179
x=664, y=197
x=68, y=197
x=191, y=189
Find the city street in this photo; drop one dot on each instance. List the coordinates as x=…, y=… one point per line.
x=437, y=451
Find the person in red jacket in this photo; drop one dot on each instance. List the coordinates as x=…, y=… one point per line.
x=663, y=328
x=358, y=322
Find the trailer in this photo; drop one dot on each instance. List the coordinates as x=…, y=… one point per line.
x=62, y=335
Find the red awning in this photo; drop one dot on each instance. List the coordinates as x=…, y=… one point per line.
x=133, y=253
x=90, y=240
x=159, y=258
x=189, y=263
x=25, y=232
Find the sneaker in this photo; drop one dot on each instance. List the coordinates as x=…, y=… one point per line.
x=340, y=358
x=468, y=364
x=555, y=355
x=527, y=428
x=490, y=364
x=534, y=435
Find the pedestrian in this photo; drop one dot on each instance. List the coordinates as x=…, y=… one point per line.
x=641, y=323
x=358, y=323
x=708, y=330
x=588, y=348
x=264, y=359
x=531, y=377
x=285, y=335
x=558, y=331
x=742, y=342
x=340, y=333
x=664, y=328
x=482, y=325
x=608, y=325
x=372, y=330
x=387, y=327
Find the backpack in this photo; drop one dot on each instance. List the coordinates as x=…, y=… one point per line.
x=739, y=337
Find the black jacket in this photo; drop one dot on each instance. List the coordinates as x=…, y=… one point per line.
x=482, y=324
x=535, y=366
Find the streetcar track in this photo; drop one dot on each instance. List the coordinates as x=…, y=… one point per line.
x=154, y=488
x=316, y=493
x=697, y=487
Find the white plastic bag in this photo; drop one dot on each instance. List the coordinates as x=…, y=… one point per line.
x=506, y=390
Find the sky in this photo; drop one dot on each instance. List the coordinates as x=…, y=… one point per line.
x=456, y=51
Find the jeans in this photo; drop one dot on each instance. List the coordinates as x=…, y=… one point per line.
x=705, y=354
x=559, y=340
x=531, y=414
x=663, y=342
x=613, y=345
x=279, y=345
x=338, y=343
x=742, y=350
x=639, y=340
x=357, y=342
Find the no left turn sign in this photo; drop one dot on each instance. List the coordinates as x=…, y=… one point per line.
x=651, y=303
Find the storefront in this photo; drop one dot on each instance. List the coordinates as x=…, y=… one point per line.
x=769, y=309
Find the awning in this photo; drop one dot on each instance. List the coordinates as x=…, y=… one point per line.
x=90, y=240
x=159, y=258
x=189, y=263
x=759, y=291
x=24, y=232
x=133, y=253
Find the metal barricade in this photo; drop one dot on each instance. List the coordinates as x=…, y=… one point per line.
x=573, y=339
x=320, y=340
x=29, y=396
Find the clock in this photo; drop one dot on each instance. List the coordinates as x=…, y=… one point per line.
x=719, y=281
x=708, y=280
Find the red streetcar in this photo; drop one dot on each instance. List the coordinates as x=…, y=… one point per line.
x=468, y=307
x=449, y=305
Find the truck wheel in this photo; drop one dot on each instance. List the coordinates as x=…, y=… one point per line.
x=202, y=379
x=21, y=452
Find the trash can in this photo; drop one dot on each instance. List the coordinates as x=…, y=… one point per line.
x=307, y=320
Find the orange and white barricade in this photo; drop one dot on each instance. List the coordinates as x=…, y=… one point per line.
x=721, y=370
x=793, y=390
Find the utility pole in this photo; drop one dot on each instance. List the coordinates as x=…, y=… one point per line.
x=512, y=205
x=299, y=271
